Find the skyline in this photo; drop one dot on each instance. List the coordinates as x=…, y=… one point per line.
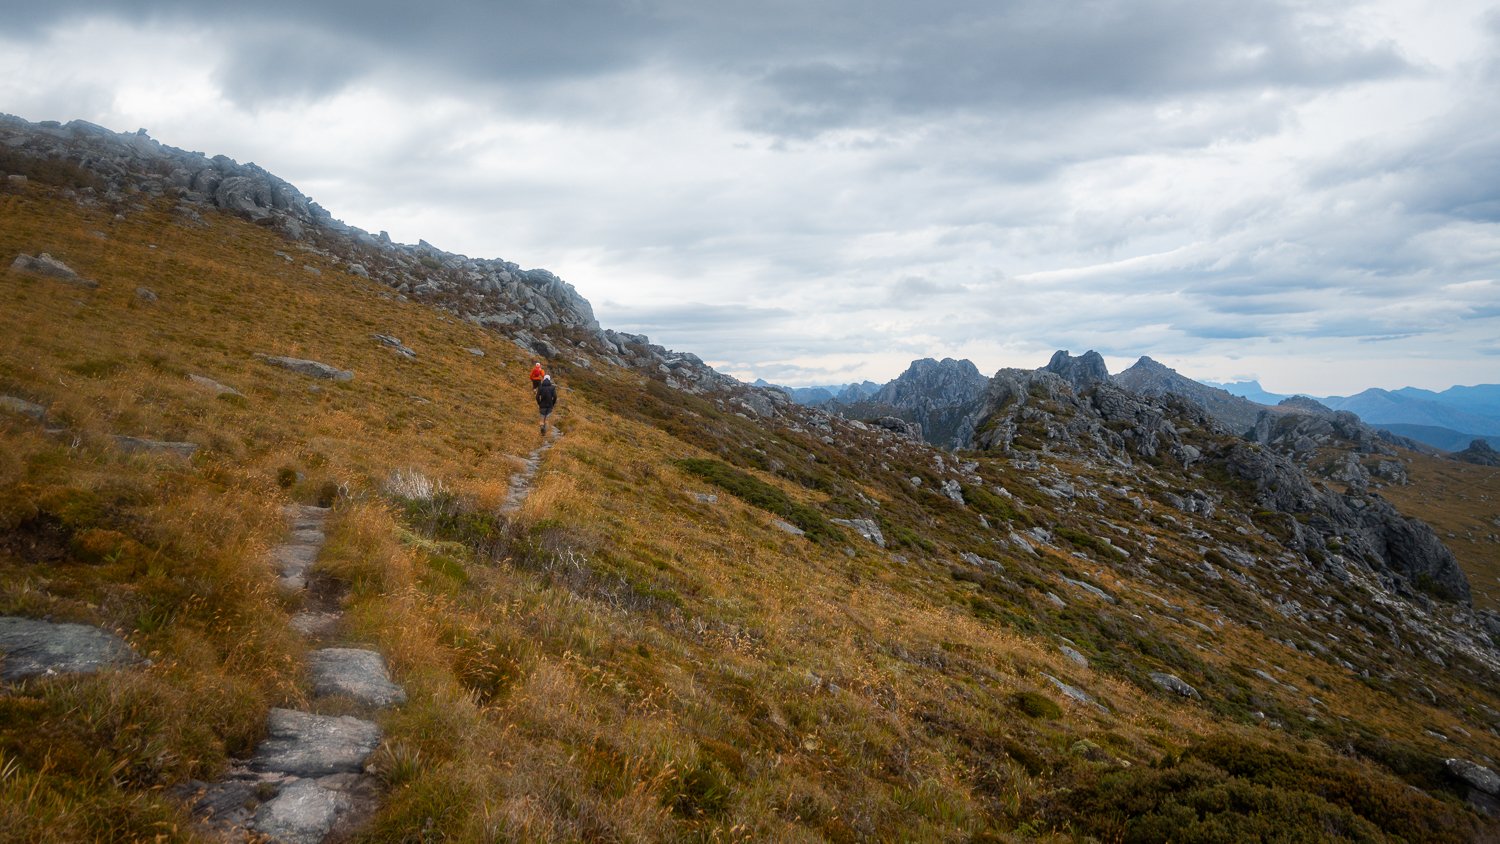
x=1306, y=195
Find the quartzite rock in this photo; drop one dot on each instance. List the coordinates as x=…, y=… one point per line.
x=303, y=813
x=310, y=368
x=32, y=647
x=136, y=445
x=308, y=745
x=23, y=407
x=1173, y=684
x=46, y=265
x=355, y=673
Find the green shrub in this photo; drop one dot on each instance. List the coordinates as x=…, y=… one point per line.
x=760, y=494
x=1036, y=705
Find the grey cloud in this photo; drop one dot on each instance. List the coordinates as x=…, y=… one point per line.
x=806, y=68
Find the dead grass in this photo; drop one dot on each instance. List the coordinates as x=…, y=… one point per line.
x=1462, y=503
x=618, y=661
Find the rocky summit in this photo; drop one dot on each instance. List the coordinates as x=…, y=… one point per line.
x=284, y=555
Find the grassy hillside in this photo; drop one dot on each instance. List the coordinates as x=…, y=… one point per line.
x=626, y=659
x=1462, y=503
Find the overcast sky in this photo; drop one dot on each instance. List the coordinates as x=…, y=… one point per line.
x=1305, y=192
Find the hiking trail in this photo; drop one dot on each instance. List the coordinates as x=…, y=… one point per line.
x=520, y=482
x=308, y=779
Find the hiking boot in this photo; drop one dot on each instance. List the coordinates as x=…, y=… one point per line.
x=544, y=429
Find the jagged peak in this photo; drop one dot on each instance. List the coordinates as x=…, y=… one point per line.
x=1082, y=371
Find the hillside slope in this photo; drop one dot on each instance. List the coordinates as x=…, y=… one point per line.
x=716, y=616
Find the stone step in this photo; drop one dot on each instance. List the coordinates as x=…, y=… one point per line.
x=292, y=562
x=308, y=745
x=354, y=673
x=313, y=624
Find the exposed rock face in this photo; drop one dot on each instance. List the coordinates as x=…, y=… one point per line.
x=310, y=368
x=1081, y=372
x=354, y=673
x=46, y=265
x=1030, y=410
x=864, y=527
x=133, y=167
x=136, y=445
x=1479, y=452
x=32, y=647
x=307, y=745
x=944, y=397
x=1153, y=380
x=1173, y=684
x=23, y=407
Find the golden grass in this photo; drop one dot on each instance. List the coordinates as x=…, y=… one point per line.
x=1462, y=503
x=618, y=661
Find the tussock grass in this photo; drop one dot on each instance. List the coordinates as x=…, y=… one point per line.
x=617, y=660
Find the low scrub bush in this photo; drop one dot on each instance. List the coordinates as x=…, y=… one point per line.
x=760, y=494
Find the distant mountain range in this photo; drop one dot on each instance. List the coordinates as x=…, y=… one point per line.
x=819, y=395
x=1447, y=420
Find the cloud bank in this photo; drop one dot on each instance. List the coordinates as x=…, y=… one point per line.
x=1307, y=193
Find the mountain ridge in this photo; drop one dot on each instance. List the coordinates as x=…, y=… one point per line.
x=716, y=614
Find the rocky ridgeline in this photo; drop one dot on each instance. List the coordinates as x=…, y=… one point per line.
x=1071, y=408
x=943, y=399
x=128, y=170
x=540, y=312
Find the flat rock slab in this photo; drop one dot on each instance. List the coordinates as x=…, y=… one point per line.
x=1173, y=684
x=308, y=745
x=33, y=647
x=214, y=386
x=136, y=445
x=50, y=267
x=23, y=407
x=310, y=368
x=1076, y=693
x=1475, y=775
x=303, y=813
x=314, y=624
x=354, y=673
x=307, y=536
x=306, y=516
x=293, y=561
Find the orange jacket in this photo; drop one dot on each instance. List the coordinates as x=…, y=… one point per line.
x=537, y=375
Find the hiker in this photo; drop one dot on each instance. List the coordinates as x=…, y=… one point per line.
x=536, y=375
x=546, y=399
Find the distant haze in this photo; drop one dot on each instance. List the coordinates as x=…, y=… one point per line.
x=1307, y=194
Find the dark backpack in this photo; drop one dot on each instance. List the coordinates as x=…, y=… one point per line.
x=546, y=395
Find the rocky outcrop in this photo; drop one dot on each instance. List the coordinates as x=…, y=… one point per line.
x=128, y=170
x=1080, y=372
x=30, y=648
x=944, y=397
x=1039, y=410
x=1150, y=379
x=50, y=267
x=1479, y=453
x=310, y=368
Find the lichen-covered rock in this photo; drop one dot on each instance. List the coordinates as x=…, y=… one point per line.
x=303, y=813
x=310, y=368
x=46, y=265
x=354, y=673
x=864, y=527
x=308, y=745
x=23, y=407
x=1174, y=684
x=29, y=648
